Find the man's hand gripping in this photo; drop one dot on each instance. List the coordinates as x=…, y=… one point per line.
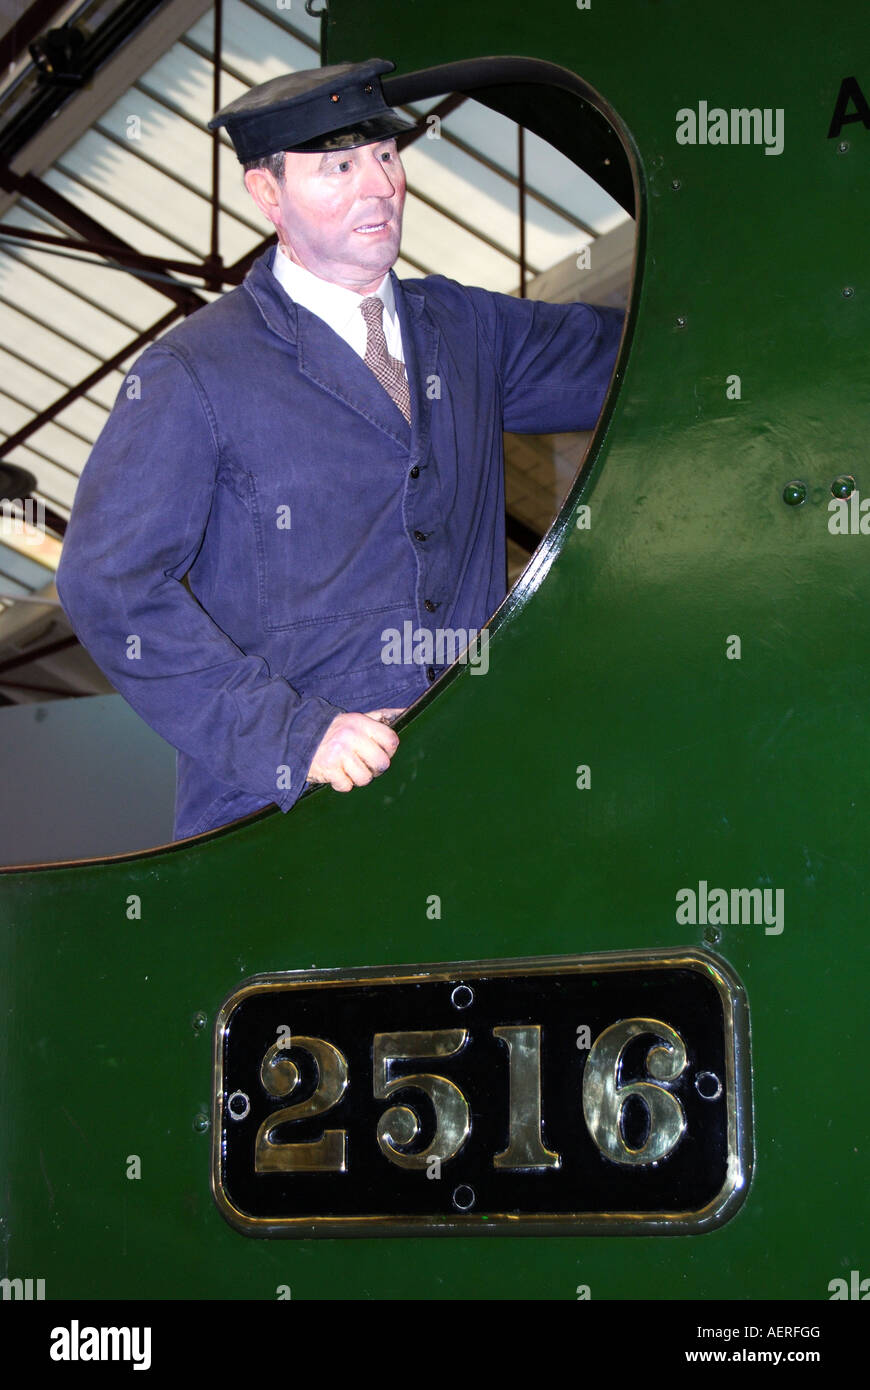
x=355, y=749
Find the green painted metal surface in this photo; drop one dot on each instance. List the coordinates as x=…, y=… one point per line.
x=742, y=773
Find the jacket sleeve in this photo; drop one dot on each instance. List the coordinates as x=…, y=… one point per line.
x=554, y=361
x=140, y=512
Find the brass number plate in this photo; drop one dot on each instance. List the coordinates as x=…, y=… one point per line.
x=586, y=1094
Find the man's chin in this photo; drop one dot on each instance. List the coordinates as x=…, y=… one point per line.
x=381, y=255
x=376, y=244
x=359, y=264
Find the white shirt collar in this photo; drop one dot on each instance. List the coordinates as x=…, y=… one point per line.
x=336, y=305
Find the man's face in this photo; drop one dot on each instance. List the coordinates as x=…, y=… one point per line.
x=339, y=213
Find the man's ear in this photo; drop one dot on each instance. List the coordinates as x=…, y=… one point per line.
x=263, y=188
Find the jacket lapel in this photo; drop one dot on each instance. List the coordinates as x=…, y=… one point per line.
x=328, y=361
x=420, y=340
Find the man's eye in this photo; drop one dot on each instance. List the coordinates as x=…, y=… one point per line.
x=343, y=166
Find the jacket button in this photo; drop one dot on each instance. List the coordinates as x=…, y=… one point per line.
x=419, y=536
x=430, y=673
x=430, y=606
x=415, y=472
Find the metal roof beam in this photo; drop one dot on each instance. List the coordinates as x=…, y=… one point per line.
x=520, y=533
x=136, y=259
x=29, y=26
x=23, y=658
x=111, y=83
x=467, y=227
x=25, y=405
x=41, y=99
x=287, y=26
x=129, y=325
x=75, y=391
x=465, y=148
x=29, y=186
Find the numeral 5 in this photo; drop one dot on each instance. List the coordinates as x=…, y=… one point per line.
x=400, y=1125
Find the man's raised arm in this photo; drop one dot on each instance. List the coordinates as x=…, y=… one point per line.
x=555, y=360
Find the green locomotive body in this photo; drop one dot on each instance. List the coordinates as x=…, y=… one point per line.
x=697, y=649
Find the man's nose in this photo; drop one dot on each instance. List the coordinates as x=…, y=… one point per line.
x=381, y=179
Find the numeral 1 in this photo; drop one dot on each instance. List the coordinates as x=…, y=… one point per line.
x=525, y=1145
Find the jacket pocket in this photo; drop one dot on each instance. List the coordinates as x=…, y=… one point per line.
x=329, y=551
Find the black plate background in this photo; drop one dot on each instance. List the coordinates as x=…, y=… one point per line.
x=349, y=1016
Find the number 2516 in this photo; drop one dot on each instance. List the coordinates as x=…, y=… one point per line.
x=603, y=1099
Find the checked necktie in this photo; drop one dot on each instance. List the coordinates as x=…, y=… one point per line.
x=389, y=372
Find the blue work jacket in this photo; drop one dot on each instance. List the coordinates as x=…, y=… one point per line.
x=252, y=451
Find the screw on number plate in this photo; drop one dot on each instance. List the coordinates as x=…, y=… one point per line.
x=238, y=1105
x=462, y=996
x=708, y=1085
x=463, y=1197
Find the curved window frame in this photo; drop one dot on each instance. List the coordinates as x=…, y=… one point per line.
x=611, y=158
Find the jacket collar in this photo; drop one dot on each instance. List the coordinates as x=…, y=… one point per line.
x=327, y=360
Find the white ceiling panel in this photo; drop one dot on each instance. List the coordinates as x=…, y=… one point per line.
x=56, y=486
x=258, y=45
x=471, y=261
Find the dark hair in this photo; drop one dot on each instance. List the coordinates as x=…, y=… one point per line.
x=273, y=162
